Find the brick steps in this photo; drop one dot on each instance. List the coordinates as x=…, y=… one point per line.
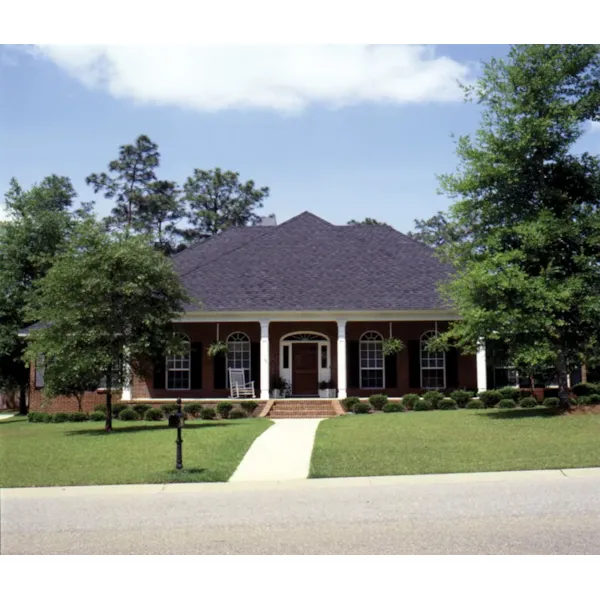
x=298, y=409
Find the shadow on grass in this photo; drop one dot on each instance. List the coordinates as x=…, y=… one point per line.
x=138, y=428
x=12, y=421
x=521, y=413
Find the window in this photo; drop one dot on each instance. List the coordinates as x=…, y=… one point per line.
x=433, y=365
x=178, y=369
x=371, y=360
x=286, y=357
x=39, y=372
x=238, y=353
x=323, y=356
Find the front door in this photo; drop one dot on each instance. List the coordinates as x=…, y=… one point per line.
x=305, y=369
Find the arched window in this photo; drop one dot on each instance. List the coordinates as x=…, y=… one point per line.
x=371, y=360
x=238, y=353
x=433, y=365
x=178, y=369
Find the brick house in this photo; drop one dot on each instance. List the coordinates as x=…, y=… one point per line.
x=310, y=302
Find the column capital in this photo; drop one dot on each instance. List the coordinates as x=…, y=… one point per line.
x=264, y=323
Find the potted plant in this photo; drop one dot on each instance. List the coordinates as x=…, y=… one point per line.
x=278, y=387
x=216, y=348
x=327, y=389
x=392, y=345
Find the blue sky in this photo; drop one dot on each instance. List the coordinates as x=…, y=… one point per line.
x=339, y=134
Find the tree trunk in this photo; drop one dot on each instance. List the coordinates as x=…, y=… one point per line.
x=563, y=382
x=23, y=400
x=583, y=373
x=108, y=423
x=79, y=402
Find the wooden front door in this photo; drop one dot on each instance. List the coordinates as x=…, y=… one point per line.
x=305, y=369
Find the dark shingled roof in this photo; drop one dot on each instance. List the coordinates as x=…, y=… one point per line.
x=307, y=263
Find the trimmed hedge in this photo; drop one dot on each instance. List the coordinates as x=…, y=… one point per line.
x=224, y=408
x=193, y=409
x=594, y=399
x=39, y=417
x=60, y=417
x=168, y=408
x=249, y=406
x=349, y=402
x=582, y=400
x=238, y=413
x=378, y=401
x=393, y=407
x=119, y=407
x=586, y=389
x=100, y=408
x=409, y=400
x=97, y=415
x=447, y=404
x=506, y=403
x=434, y=397
x=510, y=393
x=141, y=409
x=208, y=413
x=529, y=402
x=475, y=404
x=490, y=397
x=422, y=404
x=154, y=414
x=129, y=414
x=461, y=397
x=361, y=408
x=77, y=417
x=551, y=402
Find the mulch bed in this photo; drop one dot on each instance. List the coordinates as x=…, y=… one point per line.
x=590, y=409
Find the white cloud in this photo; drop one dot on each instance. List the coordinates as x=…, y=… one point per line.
x=280, y=78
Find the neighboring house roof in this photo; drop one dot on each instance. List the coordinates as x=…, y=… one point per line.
x=28, y=330
x=307, y=263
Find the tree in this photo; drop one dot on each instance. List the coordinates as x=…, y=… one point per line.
x=39, y=223
x=437, y=230
x=118, y=314
x=217, y=200
x=366, y=221
x=529, y=272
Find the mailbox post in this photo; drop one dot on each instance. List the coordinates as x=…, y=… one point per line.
x=176, y=420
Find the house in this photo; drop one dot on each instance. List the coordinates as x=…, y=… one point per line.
x=310, y=302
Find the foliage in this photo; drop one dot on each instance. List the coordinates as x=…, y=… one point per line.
x=529, y=402
x=490, y=397
x=349, y=402
x=218, y=200
x=98, y=415
x=117, y=408
x=391, y=346
x=169, y=408
x=129, y=415
x=279, y=383
x=249, y=406
x=434, y=397
x=208, y=413
x=224, y=408
x=422, y=404
x=123, y=297
x=594, y=399
x=366, y=221
x=392, y=407
x=378, y=401
x=238, y=413
x=217, y=348
x=327, y=385
x=153, y=414
x=141, y=409
x=511, y=393
x=475, y=403
x=193, y=409
x=461, y=397
x=506, y=403
x=447, y=404
x=409, y=400
x=60, y=417
x=361, y=408
x=102, y=408
x=582, y=400
x=585, y=389
x=77, y=417
x=552, y=402
x=39, y=417
x=437, y=230
x=527, y=271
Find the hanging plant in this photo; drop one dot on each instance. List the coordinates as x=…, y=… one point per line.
x=216, y=348
x=392, y=345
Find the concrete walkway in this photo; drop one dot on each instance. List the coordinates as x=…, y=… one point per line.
x=281, y=453
x=7, y=415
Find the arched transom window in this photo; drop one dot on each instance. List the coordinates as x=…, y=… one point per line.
x=178, y=369
x=371, y=360
x=238, y=353
x=433, y=365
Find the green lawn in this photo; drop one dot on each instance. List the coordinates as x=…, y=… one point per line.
x=454, y=442
x=34, y=454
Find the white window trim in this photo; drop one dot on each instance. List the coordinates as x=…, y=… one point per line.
x=323, y=373
x=424, y=337
x=189, y=369
x=247, y=341
x=360, y=341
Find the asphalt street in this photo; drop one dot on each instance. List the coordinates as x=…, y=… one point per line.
x=550, y=512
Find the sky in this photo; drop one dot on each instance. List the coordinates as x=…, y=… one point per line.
x=341, y=131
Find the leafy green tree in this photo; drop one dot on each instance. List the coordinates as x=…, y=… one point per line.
x=366, y=221
x=217, y=200
x=528, y=274
x=118, y=312
x=38, y=225
x=438, y=230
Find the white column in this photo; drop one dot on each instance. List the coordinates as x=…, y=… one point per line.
x=126, y=391
x=264, y=360
x=341, y=359
x=481, y=368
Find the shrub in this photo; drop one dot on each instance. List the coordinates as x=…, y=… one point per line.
x=582, y=400
x=510, y=393
x=422, y=404
x=129, y=414
x=168, y=408
x=97, y=415
x=378, y=401
x=208, y=414
x=506, y=403
x=461, y=397
x=434, y=397
x=447, y=404
x=551, y=402
x=100, y=408
x=153, y=414
x=475, y=404
x=77, y=417
x=586, y=389
x=224, y=408
x=349, y=402
x=60, y=417
x=490, y=397
x=118, y=408
x=392, y=407
x=362, y=408
x=141, y=409
x=409, y=400
x=594, y=399
x=249, y=406
x=193, y=409
x=238, y=413
x=38, y=417
x=529, y=402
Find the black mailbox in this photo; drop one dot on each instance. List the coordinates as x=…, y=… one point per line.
x=174, y=420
